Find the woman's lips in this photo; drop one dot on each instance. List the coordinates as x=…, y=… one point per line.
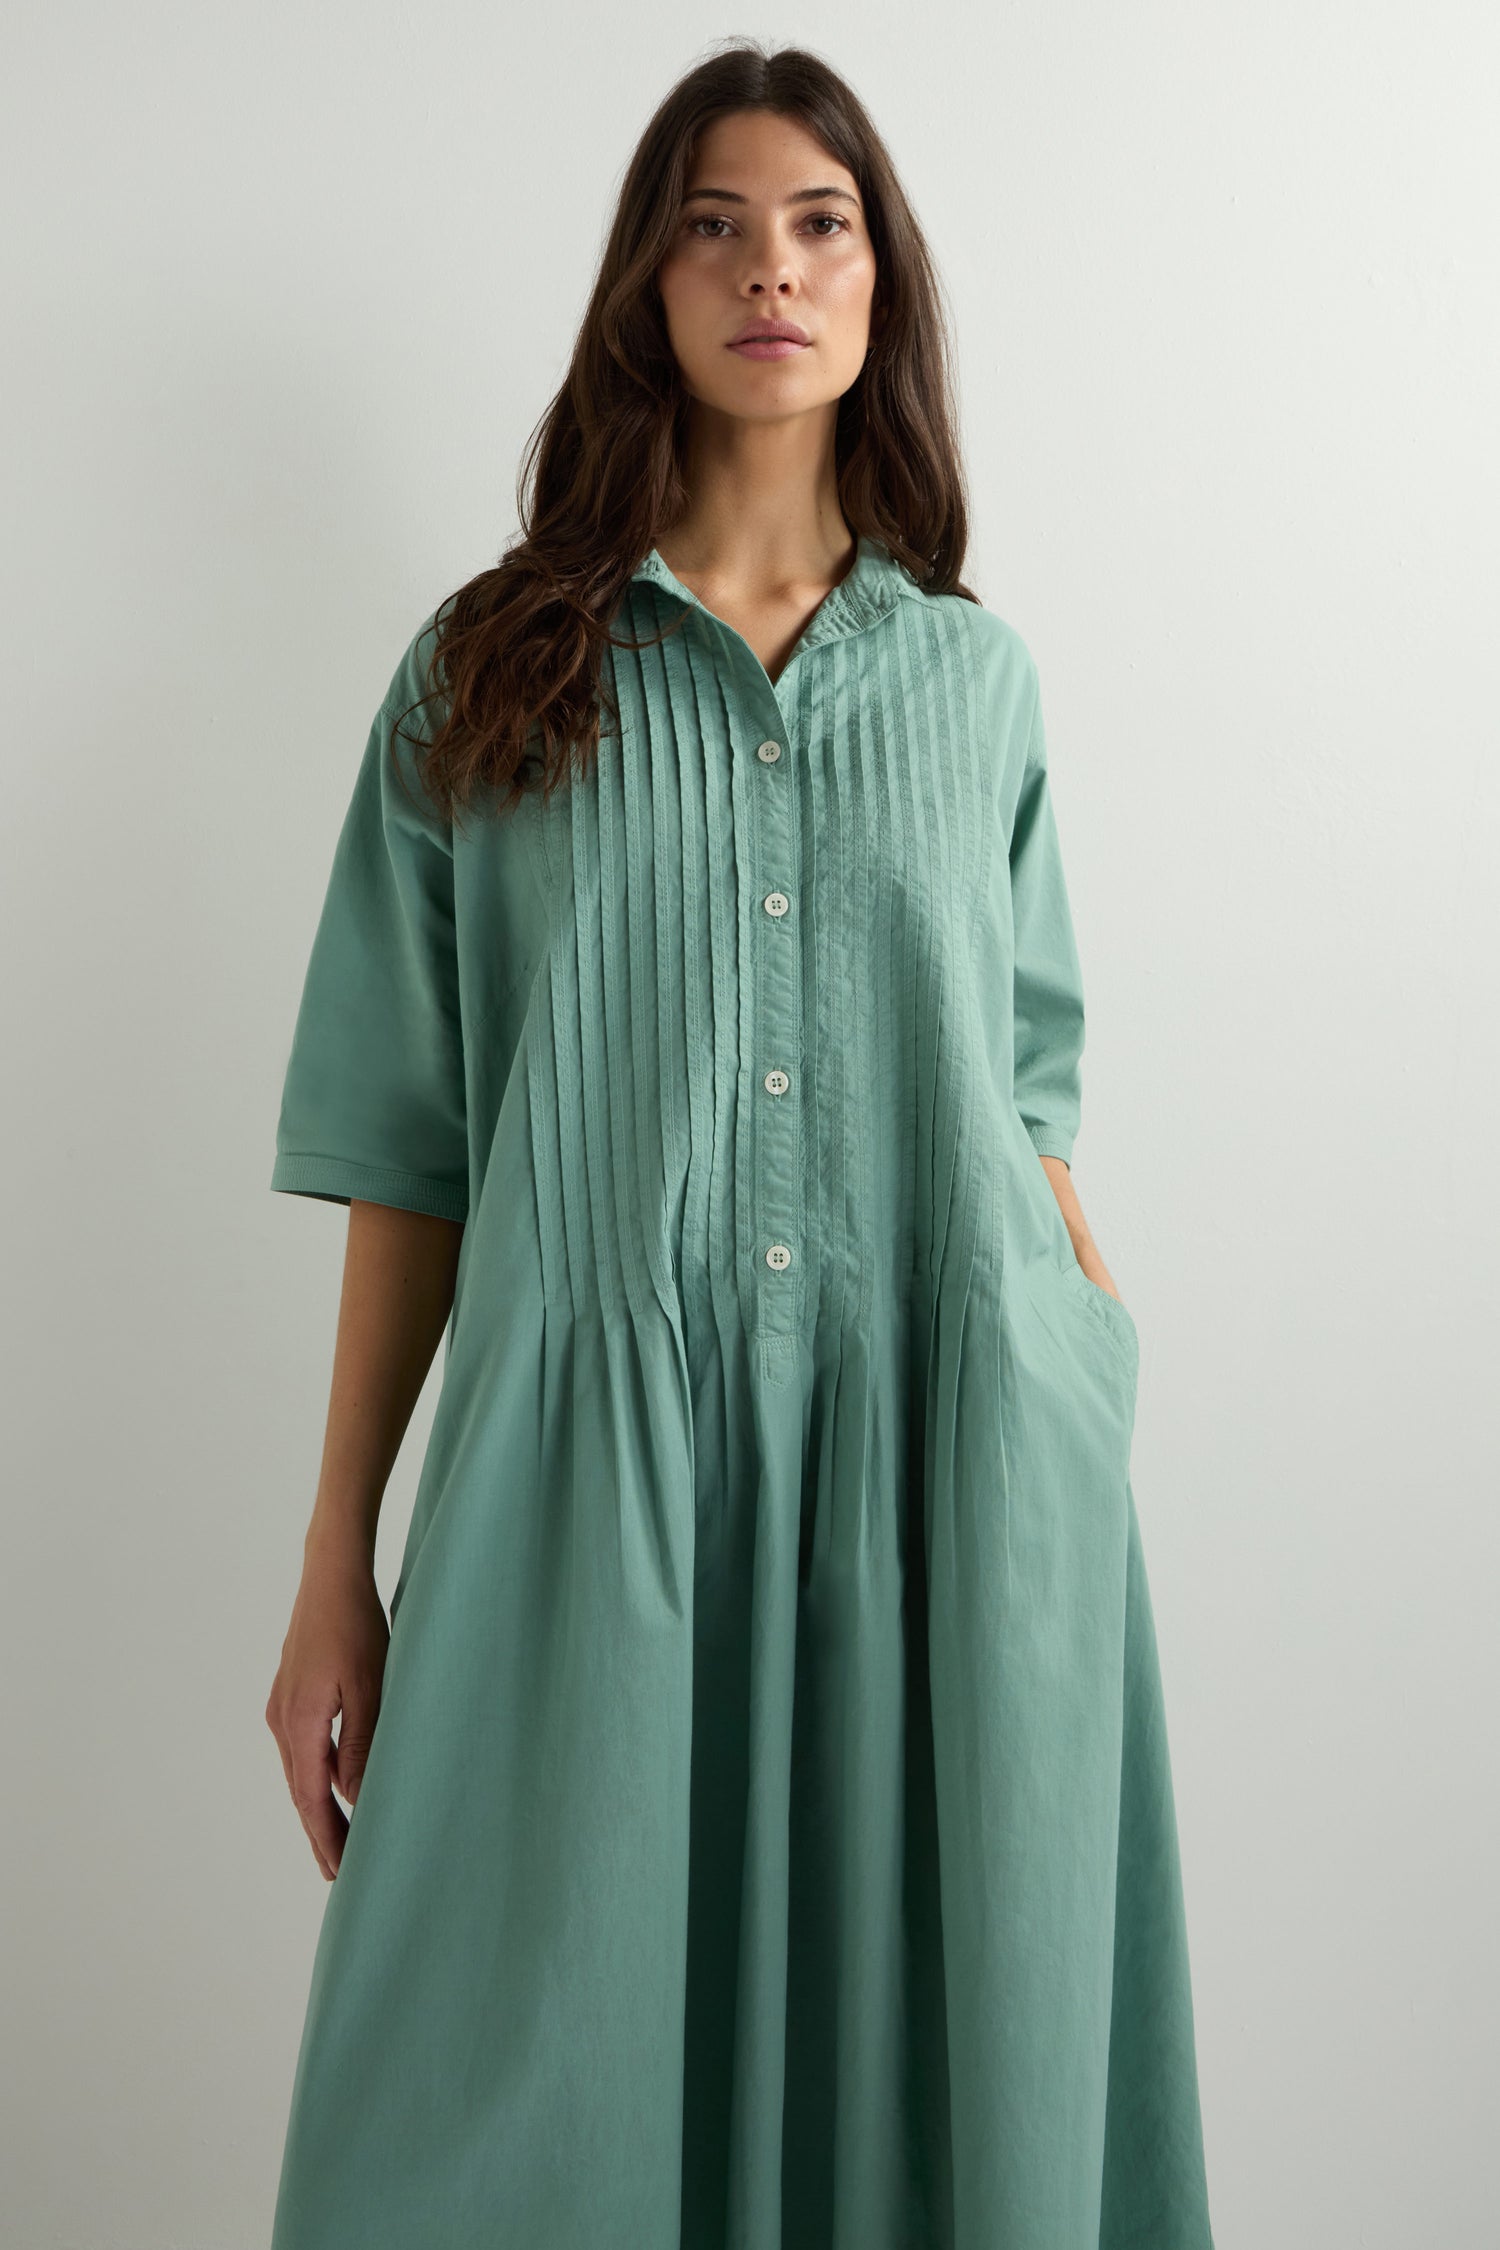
x=768, y=347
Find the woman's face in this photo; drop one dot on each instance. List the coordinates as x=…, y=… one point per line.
x=771, y=229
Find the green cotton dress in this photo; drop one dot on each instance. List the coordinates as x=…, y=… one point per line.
x=768, y=1839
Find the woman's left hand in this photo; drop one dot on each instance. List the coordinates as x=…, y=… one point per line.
x=1085, y=1249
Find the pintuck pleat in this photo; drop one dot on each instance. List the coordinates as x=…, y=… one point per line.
x=768, y=1839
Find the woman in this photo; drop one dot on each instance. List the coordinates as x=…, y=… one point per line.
x=767, y=1839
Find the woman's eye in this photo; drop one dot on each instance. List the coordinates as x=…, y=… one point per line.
x=833, y=220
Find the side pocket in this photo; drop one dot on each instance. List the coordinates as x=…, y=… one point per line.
x=1110, y=1313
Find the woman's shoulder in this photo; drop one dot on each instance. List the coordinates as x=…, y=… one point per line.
x=1000, y=653
x=411, y=680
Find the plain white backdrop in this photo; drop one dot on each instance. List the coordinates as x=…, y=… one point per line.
x=285, y=291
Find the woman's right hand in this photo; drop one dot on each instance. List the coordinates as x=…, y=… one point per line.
x=400, y=1273
x=332, y=1664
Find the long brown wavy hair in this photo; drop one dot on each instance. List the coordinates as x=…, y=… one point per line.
x=518, y=670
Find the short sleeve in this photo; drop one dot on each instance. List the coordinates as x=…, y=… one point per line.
x=1048, y=1003
x=373, y=1100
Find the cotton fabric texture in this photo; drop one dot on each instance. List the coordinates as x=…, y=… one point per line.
x=768, y=1839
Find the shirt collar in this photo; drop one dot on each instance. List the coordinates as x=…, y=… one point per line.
x=874, y=584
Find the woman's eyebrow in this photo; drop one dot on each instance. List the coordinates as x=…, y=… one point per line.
x=802, y=195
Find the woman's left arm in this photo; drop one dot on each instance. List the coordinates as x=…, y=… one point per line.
x=1085, y=1249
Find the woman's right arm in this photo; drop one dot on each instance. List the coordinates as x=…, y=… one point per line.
x=400, y=1269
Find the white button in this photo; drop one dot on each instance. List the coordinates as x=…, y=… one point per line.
x=779, y=1257
x=777, y=1082
x=769, y=752
x=778, y=903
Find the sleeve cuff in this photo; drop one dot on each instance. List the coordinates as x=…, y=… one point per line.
x=333, y=1179
x=1051, y=1140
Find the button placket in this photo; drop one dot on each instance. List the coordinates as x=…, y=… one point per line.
x=775, y=1033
